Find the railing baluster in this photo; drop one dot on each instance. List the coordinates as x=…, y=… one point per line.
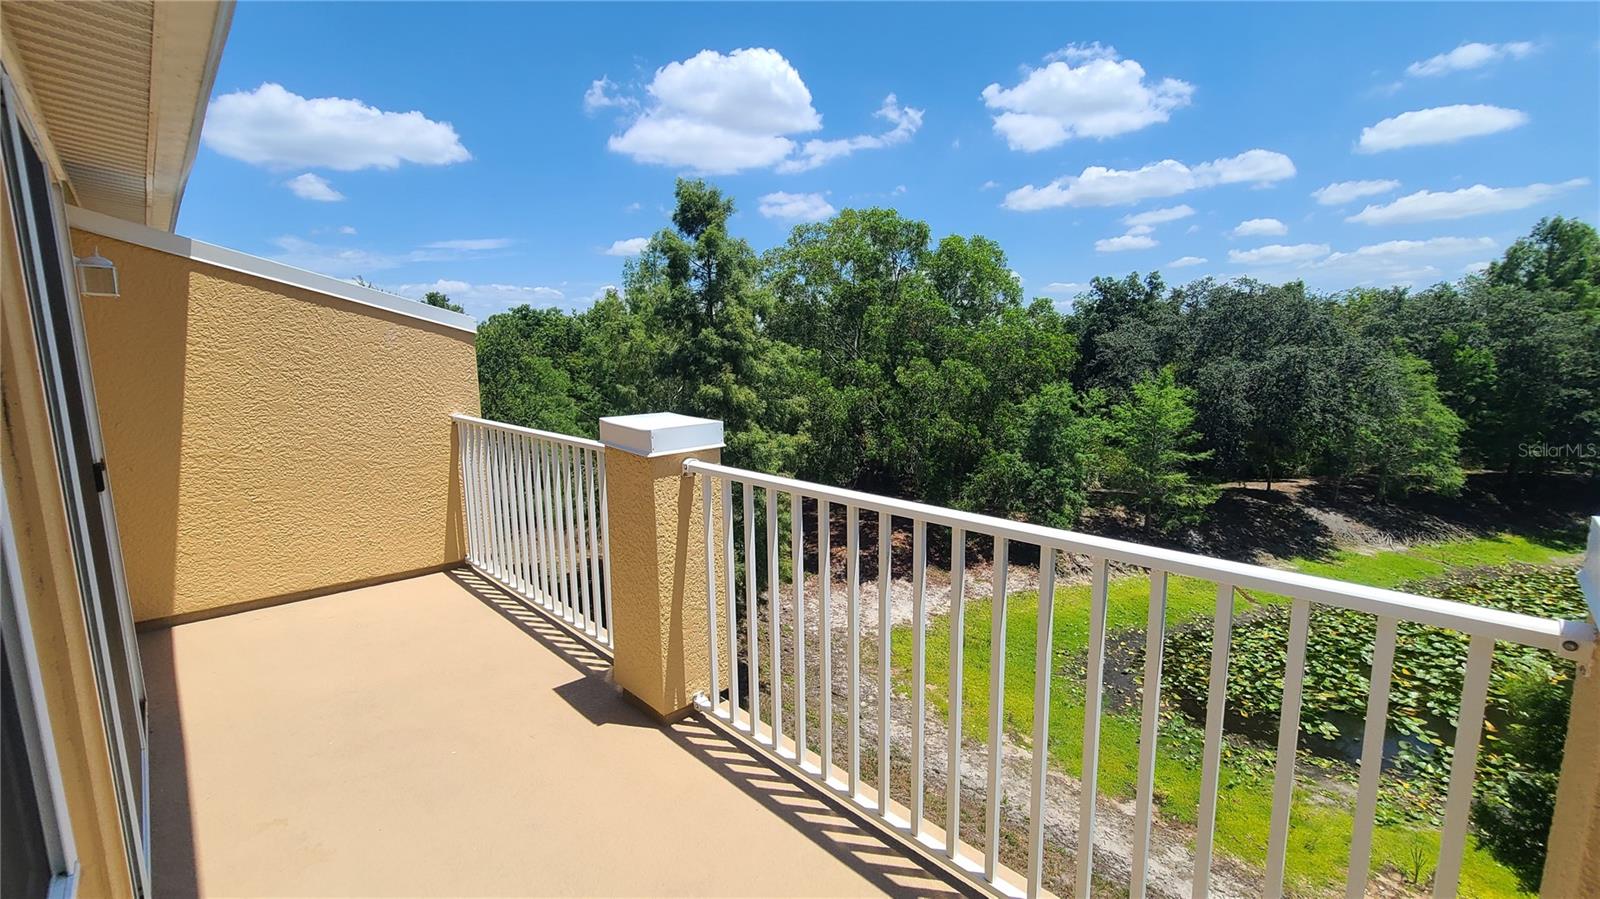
x=798, y=561
x=596, y=586
x=1211, y=764
x=469, y=510
x=1371, y=759
x=775, y=643
x=952, y=777
x=605, y=550
x=1294, y=673
x=514, y=575
x=532, y=498
x=825, y=638
x=519, y=574
x=919, y=666
x=852, y=549
x=1043, y=657
x=568, y=547
x=552, y=502
x=562, y=544
x=733, y=603
x=580, y=578
x=1463, y=766
x=711, y=589
x=748, y=494
x=542, y=516
x=580, y=509
x=1149, y=720
x=1093, y=689
x=480, y=511
x=885, y=589
x=997, y=676
x=498, y=493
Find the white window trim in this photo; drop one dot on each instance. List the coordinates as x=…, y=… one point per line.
x=244, y=263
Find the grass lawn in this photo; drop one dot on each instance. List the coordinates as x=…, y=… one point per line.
x=1321, y=819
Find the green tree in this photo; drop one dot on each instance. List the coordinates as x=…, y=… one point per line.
x=441, y=300
x=1152, y=456
x=696, y=287
x=1559, y=254
x=1413, y=440
x=1041, y=468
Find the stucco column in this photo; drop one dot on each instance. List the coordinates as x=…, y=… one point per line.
x=658, y=557
x=1572, y=865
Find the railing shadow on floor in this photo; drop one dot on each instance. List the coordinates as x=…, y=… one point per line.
x=820, y=818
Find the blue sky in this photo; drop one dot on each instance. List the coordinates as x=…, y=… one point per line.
x=515, y=152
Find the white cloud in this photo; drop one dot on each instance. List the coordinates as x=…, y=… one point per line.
x=1082, y=53
x=1439, y=125
x=480, y=243
x=906, y=121
x=632, y=246
x=1186, y=261
x=1340, y=192
x=482, y=300
x=1101, y=186
x=1390, y=262
x=1279, y=254
x=1431, y=206
x=340, y=260
x=1129, y=241
x=1260, y=228
x=347, y=229
x=720, y=114
x=1103, y=96
x=601, y=95
x=1404, y=261
x=1469, y=56
x=1057, y=288
x=795, y=207
x=1141, y=229
x=272, y=127
x=990, y=185
x=1475, y=268
x=1158, y=216
x=313, y=187
x=1415, y=249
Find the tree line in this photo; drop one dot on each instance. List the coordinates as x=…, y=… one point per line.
x=862, y=353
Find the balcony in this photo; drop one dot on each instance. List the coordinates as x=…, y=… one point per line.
x=435, y=736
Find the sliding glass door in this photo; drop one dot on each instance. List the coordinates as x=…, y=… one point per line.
x=40, y=225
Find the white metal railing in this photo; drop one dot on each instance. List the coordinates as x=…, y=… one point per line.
x=981, y=865
x=536, y=519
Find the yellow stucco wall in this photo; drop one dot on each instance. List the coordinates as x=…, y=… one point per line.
x=50, y=587
x=264, y=440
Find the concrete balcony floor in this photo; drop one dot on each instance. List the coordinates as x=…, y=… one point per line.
x=435, y=737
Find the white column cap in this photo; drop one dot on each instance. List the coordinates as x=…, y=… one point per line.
x=660, y=433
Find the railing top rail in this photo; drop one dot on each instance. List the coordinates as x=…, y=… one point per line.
x=1572, y=639
x=583, y=442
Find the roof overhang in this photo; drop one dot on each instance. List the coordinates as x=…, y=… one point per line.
x=117, y=93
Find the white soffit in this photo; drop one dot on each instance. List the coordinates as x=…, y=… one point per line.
x=121, y=89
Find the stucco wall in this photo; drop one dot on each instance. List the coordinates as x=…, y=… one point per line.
x=264, y=440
